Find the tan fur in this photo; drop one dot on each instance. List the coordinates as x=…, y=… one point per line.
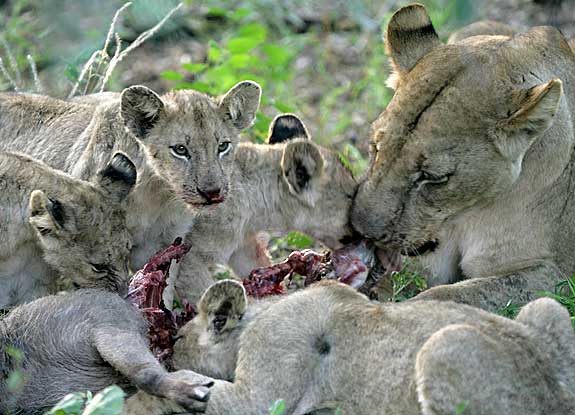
x=475, y=152
x=266, y=196
x=54, y=225
x=482, y=28
x=328, y=347
x=80, y=136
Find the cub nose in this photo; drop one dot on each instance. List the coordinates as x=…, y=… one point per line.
x=211, y=194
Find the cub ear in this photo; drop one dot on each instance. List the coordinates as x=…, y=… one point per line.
x=286, y=127
x=46, y=215
x=140, y=108
x=537, y=108
x=410, y=36
x=118, y=177
x=302, y=165
x=223, y=305
x=241, y=103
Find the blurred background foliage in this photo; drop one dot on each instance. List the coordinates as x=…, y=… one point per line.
x=323, y=60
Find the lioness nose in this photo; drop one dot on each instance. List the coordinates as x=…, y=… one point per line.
x=212, y=194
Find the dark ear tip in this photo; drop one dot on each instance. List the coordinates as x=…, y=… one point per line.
x=250, y=84
x=122, y=169
x=286, y=127
x=408, y=15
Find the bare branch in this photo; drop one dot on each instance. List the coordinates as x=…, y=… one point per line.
x=12, y=61
x=137, y=42
x=85, y=70
x=35, y=77
x=7, y=76
x=112, y=31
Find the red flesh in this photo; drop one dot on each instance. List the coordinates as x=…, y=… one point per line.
x=145, y=292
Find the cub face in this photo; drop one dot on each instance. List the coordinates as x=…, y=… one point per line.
x=453, y=137
x=190, y=137
x=321, y=187
x=83, y=234
x=209, y=344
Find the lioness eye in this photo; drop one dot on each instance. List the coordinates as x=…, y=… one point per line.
x=99, y=268
x=180, y=150
x=224, y=148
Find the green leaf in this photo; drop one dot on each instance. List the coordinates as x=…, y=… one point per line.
x=277, y=56
x=240, y=13
x=338, y=412
x=71, y=72
x=240, y=60
x=298, y=240
x=15, y=381
x=172, y=75
x=253, y=31
x=15, y=353
x=194, y=67
x=71, y=404
x=243, y=44
x=460, y=407
x=108, y=402
x=198, y=86
x=217, y=12
x=214, y=52
x=283, y=107
x=278, y=408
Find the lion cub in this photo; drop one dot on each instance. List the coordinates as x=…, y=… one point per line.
x=329, y=347
x=53, y=225
x=182, y=143
x=290, y=184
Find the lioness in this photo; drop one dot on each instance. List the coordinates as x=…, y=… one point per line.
x=82, y=341
x=53, y=225
x=472, y=165
x=182, y=144
x=328, y=347
x=289, y=184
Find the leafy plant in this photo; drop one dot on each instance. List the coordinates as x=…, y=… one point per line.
x=406, y=283
x=278, y=408
x=510, y=310
x=564, y=293
x=248, y=54
x=108, y=402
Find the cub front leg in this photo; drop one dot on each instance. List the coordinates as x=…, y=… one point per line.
x=251, y=254
x=127, y=351
x=194, y=275
x=493, y=293
x=225, y=399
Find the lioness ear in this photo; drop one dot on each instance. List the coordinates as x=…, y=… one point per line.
x=409, y=37
x=241, y=103
x=223, y=305
x=46, y=215
x=118, y=177
x=535, y=115
x=286, y=127
x=140, y=108
x=302, y=165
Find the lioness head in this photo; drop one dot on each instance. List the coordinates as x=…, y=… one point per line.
x=209, y=344
x=190, y=137
x=321, y=186
x=456, y=132
x=83, y=232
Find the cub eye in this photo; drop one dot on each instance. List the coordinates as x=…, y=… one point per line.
x=426, y=177
x=99, y=268
x=224, y=148
x=180, y=150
